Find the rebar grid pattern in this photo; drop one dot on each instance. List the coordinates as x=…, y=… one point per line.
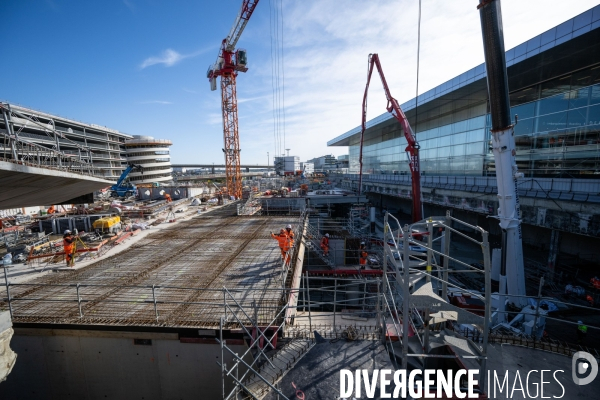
x=171, y=278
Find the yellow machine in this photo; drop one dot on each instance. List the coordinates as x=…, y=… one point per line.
x=108, y=224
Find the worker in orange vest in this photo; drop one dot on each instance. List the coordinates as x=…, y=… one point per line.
x=168, y=197
x=290, y=233
x=362, y=257
x=69, y=247
x=590, y=300
x=595, y=282
x=325, y=244
x=284, y=244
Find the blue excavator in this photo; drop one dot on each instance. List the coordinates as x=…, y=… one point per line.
x=123, y=187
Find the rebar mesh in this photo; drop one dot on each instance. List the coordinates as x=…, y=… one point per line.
x=173, y=277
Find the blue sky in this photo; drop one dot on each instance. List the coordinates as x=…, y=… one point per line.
x=139, y=65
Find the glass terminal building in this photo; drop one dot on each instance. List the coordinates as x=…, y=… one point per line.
x=554, y=84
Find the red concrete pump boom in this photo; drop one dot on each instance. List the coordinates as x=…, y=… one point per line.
x=413, y=147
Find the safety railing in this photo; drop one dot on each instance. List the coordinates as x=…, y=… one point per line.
x=35, y=155
x=277, y=345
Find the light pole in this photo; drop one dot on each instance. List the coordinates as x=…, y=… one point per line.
x=267, y=161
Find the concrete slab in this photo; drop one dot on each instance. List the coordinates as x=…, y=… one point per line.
x=25, y=186
x=184, y=266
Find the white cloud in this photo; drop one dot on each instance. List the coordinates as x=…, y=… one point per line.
x=129, y=4
x=156, y=102
x=248, y=99
x=326, y=49
x=169, y=58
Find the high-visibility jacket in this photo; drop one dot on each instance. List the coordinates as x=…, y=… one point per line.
x=582, y=328
x=290, y=235
x=363, y=258
x=284, y=241
x=68, y=244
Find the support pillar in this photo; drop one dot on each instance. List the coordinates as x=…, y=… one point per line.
x=553, y=253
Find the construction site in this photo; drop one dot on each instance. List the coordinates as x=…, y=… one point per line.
x=290, y=284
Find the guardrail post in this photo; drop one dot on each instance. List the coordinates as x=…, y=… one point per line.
x=334, y=306
x=487, y=266
x=379, y=303
x=225, y=303
x=154, y=300
x=8, y=292
x=405, y=294
x=79, y=302
x=309, y=313
x=223, y=365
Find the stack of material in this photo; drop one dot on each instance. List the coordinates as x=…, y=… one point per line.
x=7, y=356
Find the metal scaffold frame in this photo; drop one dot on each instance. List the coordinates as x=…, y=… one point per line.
x=427, y=299
x=298, y=325
x=24, y=152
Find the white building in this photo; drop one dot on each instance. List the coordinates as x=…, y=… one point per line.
x=289, y=164
x=307, y=167
x=153, y=155
x=324, y=163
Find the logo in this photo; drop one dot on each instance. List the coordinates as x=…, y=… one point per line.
x=583, y=364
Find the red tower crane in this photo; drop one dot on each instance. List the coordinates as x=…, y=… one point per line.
x=413, y=147
x=229, y=62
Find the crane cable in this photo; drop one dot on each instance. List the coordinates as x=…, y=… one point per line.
x=277, y=74
x=418, y=56
x=282, y=74
x=273, y=78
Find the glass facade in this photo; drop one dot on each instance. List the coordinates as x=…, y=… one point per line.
x=559, y=135
x=554, y=80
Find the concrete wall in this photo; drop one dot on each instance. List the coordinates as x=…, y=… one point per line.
x=108, y=365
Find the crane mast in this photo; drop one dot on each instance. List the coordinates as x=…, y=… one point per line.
x=229, y=63
x=413, y=147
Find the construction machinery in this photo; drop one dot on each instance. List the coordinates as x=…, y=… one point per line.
x=512, y=275
x=107, y=225
x=123, y=187
x=412, y=149
x=229, y=62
